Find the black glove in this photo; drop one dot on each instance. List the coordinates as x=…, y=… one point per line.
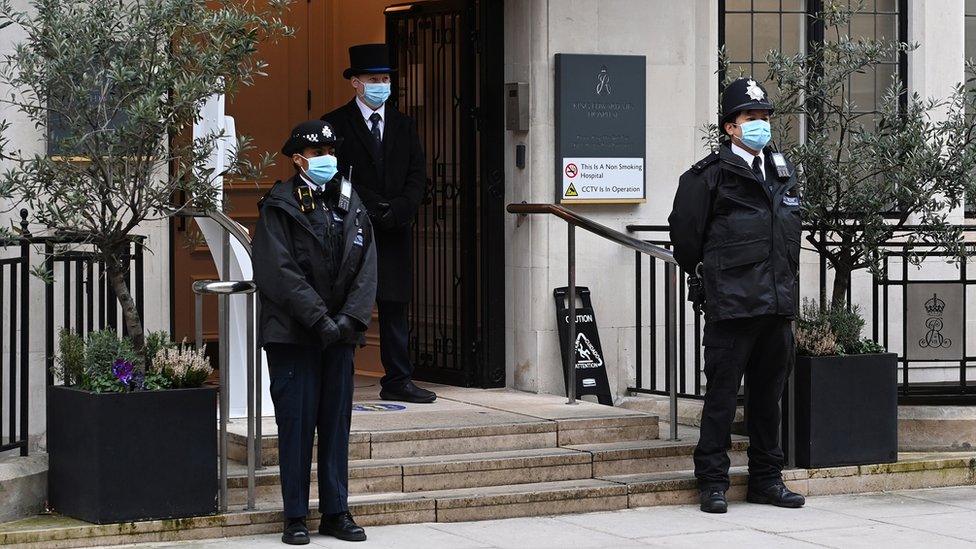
x=348, y=328
x=696, y=293
x=383, y=216
x=327, y=331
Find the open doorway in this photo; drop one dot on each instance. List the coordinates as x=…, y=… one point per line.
x=447, y=79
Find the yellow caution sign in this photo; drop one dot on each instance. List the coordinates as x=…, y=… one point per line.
x=571, y=191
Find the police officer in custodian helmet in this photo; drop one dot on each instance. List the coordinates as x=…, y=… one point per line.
x=735, y=228
x=315, y=269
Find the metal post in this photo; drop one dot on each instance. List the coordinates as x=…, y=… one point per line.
x=258, y=394
x=222, y=334
x=250, y=401
x=198, y=320
x=571, y=336
x=671, y=343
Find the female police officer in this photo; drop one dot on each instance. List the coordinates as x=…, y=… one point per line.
x=315, y=270
x=736, y=224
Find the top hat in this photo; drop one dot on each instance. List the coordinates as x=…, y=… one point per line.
x=312, y=133
x=368, y=59
x=743, y=95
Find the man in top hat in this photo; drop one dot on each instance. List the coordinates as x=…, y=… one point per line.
x=735, y=228
x=382, y=149
x=315, y=269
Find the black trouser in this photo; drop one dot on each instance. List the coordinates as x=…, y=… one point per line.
x=394, y=336
x=762, y=348
x=312, y=390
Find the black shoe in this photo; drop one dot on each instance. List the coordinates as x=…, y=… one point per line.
x=713, y=500
x=409, y=393
x=341, y=526
x=296, y=533
x=778, y=495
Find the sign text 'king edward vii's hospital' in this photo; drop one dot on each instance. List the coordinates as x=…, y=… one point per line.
x=600, y=128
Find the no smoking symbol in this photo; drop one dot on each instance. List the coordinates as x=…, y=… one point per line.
x=571, y=170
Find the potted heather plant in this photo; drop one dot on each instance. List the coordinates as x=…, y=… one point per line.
x=110, y=417
x=846, y=391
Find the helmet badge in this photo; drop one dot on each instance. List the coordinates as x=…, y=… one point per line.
x=754, y=91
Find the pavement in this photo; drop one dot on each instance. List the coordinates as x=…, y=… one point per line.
x=943, y=518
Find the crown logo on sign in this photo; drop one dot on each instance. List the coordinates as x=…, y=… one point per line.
x=934, y=306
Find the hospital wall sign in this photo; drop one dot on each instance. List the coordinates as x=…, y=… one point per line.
x=601, y=135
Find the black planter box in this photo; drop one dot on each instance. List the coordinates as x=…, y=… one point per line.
x=120, y=457
x=846, y=410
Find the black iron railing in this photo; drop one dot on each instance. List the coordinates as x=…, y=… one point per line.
x=77, y=296
x=15, y=341
x=885, y=310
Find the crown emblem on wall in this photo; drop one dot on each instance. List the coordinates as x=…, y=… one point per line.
x=934, y=306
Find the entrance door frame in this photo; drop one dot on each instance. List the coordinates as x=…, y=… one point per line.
x=483, y=341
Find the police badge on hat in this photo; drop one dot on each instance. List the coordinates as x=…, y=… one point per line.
x=754, y=91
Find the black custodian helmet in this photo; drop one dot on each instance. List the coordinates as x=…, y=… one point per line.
x=312, y=133
x=742, y=95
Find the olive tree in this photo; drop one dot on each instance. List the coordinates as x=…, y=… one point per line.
x=116, y=85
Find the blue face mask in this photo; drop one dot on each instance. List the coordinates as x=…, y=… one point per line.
x=376, y=94
x=321, y=169
x=756, y=134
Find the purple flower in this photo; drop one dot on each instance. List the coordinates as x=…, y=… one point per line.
x=122, y=370
x=138, y=380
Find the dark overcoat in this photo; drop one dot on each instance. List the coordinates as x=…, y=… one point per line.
x=397, y=177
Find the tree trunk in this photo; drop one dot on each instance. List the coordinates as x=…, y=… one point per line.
x=842, y=281
x=118, y=276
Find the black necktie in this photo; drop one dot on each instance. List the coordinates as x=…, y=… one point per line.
x=757, y=169
x=375, y=128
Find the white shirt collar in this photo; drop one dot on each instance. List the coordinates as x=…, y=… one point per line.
x=368, y=111
x=311, y=184
x=748, y=156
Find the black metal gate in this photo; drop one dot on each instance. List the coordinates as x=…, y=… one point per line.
x=449, y=57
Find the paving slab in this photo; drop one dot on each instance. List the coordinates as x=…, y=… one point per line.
x=648, y=522
x=957, y=525
x=537, y=533
x=961, y=496
x=878, y=535
x=880, y=505
x=729, y=539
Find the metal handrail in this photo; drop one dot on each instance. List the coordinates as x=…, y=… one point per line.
x=223, y=288
x=603, y=231
x=574, y=220
x=238, y=231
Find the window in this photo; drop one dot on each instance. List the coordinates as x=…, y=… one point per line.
x=750, y=28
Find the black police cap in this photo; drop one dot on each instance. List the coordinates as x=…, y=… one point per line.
x=742, y=95
x=312, y=133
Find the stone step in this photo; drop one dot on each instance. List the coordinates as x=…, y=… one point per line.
x=492, y=468
x=403, y=443
x=547, y=498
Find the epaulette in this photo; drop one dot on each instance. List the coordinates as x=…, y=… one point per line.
x=267, y=194
x=699, y=167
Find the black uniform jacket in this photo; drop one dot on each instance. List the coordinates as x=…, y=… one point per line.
x=399, y=178
x=291, y=270
x=745, y=233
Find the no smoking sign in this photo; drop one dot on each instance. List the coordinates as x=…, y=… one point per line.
x=571, y=170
